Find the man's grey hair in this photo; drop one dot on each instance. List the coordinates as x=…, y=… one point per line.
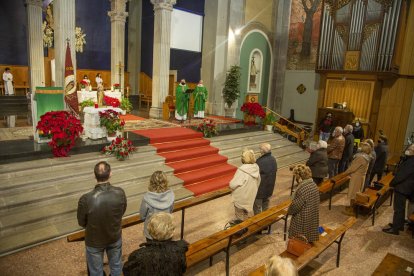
x=265, y=148
x=322, y=144
x=339, y=130
x=349, y=128
x=161, y=226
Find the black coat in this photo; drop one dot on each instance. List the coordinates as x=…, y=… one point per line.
x=318, y=163
x=268, y=167
x=348, y=152
x=161, y=258
x=382, y=154
x=403, y=181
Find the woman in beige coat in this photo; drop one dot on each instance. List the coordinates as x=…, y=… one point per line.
x=244, y=185
x=357, y=171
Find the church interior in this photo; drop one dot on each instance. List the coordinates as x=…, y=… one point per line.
x=184, y=87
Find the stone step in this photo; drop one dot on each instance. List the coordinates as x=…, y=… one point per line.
x=244, y=135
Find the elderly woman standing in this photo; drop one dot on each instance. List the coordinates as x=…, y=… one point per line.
x=318, y=161
x=357, y=171
x=305, y=206
x=373, y=156
x=244, y=185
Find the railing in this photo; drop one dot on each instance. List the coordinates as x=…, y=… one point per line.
x=288, y=127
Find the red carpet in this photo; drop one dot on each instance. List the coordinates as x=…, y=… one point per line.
x=193, y=159
x=130, y=117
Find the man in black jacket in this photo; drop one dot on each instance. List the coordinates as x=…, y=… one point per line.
x=348, y=152
x=381, y=150
x=403, y=184
x=268, y=167
x=100, y=212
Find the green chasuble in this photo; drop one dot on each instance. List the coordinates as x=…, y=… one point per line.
x=181, y=99
x=200, y=97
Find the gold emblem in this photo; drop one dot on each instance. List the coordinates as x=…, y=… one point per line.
x=301, y=88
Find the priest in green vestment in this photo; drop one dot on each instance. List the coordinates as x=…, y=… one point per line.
x=181, y=101
x=200, y=96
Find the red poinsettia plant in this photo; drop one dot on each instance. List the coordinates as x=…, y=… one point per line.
x=116, y=86
x=208, y=128
x=83, y=83
x=120, y=147
x=111, y=121
x=254, y=109
x=63, y=128
x=109, y=101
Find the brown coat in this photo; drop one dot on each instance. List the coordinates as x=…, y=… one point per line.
x=357, y=171
x=336, y=147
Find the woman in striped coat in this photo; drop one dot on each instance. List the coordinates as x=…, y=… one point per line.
x=305, y=206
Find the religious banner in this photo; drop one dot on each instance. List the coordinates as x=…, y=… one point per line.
x=71, y=97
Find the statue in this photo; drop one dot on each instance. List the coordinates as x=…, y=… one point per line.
x=253, y=73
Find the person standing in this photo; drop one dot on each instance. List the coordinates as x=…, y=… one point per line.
x=181, y=101
x=318, y=161
x=8, y=82
x=358, y=131
x=99, y=88
x=335, y=150
x=348, y=149
x=373, y=156
x=267, y=168
x=325, y=127
x=100, y=212
x=200, y=96
x=244, y=185
x=403, y=184
x=381, y=150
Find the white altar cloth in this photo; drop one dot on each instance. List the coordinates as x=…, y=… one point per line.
x=86, y=95
x=91, y=124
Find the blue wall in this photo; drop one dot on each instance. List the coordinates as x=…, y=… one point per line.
x=13, y=33
x=147, y=37
x=92, y=17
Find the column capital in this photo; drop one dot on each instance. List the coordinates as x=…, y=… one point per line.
x=118, y=16
x=34, y=2
x=163, y=4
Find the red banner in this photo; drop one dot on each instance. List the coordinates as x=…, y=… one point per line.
x=71, y=97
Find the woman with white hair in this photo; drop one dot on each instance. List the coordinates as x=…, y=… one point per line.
x=318, y=161
x=244, y=185
x=278, y=266
x=161, y=255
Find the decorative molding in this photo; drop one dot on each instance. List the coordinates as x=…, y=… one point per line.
x=342, y=31
x=163, y=4
x=352, y=60
x=118, y=16
x=336, y=4
x=368, y=30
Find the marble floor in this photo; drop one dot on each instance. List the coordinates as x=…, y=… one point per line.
x=363, y=247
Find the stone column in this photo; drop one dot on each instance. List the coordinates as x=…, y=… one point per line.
x=35, y=44
x=118, y=17
x=64, y=16
x=134, y=44
x=161, y=54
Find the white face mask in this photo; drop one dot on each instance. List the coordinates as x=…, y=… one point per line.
x=408, y=153
x=357, y=124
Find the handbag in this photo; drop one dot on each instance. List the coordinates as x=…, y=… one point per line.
x=361, y=198
x=297, y=246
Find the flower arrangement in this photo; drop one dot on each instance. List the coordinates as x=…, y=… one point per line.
x=208, y=128
x=120, y=147
x=63, y=128
x=79, y=39
x=126, y=104
x=47, y=35
x=116, y=86
x=111, y=121
x=83, y=84
x=109, y=101
x=253, y=109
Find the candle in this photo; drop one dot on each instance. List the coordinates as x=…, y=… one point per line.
x=112, y=88
x=96, y=105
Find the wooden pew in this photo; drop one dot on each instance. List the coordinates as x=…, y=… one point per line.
x=222, y=241
x=328, y=185
x=375, y=197
x=333, y=236
x=178, y=206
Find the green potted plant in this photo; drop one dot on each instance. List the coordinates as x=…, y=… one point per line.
x=126, y=105
x=112, y=122
x=231, y=90
x=85, y=103
x=269, y=120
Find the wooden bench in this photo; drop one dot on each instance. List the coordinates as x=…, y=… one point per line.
x=222, y=241
x=178, y=206
x=392, y=163
x=328, y=185
x=333, y=236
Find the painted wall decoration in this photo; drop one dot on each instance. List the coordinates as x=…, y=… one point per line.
x=255, y=71
x=304, y=34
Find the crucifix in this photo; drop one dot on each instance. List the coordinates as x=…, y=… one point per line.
x=120, y=66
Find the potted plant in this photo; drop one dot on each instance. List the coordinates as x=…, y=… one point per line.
x=117, y=87
x=112, y=122
x=126, y=105
x=63, y=129
x=231, y=90
x=83, y=85
x=269, y=120
x=208, y=128
x=85, y=103
x=252, y=110
x=120, y=147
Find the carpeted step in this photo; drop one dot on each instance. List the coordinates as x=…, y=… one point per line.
x=179, y=155
x=198, y=163
x=206, y=173
x=161, y=135
x=183, y=144
x=210, y=185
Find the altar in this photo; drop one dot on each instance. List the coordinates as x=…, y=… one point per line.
x=87, y=95
x=113, y=94
x=92, y=127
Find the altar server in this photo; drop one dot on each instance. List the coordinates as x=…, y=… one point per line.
x=8, y=81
